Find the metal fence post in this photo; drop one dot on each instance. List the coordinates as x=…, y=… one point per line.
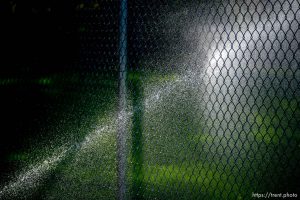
x=121, y=135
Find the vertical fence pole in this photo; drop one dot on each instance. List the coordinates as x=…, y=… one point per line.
x=121, y=135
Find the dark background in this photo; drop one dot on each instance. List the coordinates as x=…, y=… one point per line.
x=68, y=43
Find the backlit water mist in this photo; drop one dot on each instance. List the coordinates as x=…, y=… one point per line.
x=212, y=89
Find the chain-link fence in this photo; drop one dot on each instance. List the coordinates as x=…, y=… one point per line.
x=155, y=100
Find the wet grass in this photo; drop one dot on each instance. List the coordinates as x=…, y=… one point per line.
x=180, y=159
x=182, y=178
x=190, y=180
x=90, y=173
x=278, y=123
x=180, y=163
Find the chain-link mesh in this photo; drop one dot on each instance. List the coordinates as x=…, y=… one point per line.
x=220, y=82
x=156, y=100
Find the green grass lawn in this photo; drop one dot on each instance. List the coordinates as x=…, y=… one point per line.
x=181, y=157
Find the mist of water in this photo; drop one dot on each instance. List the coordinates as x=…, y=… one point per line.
x=238, y=53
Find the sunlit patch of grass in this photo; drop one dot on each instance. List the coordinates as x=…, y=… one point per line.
x=159, y=78
x=270, y=127
x=266, y=130
x=7, y=81
x=22, y=157
x=201, y=138
x=45, y=81
x=191, y=180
